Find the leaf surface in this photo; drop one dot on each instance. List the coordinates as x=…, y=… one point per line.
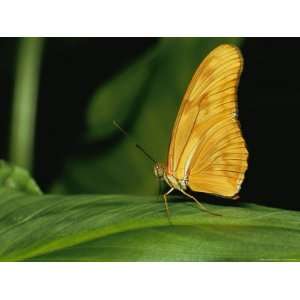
x=135, y=228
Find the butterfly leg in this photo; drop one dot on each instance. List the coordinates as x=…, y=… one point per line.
x=199, y=203
x=166, y=202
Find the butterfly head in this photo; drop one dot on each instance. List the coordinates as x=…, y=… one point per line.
x=159, y=170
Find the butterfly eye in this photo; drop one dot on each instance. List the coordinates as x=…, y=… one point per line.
x=158, y=170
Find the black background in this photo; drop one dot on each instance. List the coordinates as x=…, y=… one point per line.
x=269, y=94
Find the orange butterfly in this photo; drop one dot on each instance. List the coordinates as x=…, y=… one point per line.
x=207, y=152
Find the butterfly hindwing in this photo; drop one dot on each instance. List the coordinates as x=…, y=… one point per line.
x=207, y=146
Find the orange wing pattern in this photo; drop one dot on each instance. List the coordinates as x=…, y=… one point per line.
x=207, y=147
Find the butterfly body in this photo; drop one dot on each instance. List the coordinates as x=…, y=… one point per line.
x=160, y=171
x=207, y=152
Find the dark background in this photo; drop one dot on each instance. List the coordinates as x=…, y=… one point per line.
x=268, y=106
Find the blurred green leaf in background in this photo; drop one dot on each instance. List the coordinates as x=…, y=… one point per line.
x=144, y=99
x=17, y=179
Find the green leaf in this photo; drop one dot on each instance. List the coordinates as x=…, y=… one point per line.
x=18, y=179
x=145, y=99
x=135, y=228
x=118, y=96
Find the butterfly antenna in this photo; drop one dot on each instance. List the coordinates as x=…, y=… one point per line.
x=137, y=145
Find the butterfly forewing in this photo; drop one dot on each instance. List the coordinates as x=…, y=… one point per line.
x=207, y=146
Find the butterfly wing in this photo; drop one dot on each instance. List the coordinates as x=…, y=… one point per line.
x=207, y=147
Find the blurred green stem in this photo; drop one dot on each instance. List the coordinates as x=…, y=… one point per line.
x=25, y=101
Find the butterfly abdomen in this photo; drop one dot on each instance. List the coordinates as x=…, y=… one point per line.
x=178, y=184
